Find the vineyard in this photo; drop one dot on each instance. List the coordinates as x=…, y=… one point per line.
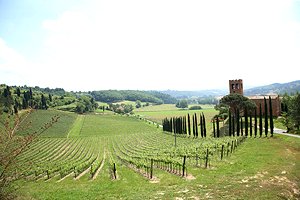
x=53, y=158
x=111, y=149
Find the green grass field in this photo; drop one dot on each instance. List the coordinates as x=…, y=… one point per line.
x=158, y=112
x=260, y=168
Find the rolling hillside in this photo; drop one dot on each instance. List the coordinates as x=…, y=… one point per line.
x=275, y=88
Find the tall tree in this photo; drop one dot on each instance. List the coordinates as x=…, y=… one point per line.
x=266, y=117
x=18, y=92
x=30, y=93
x=255, y=123
x=237, y=122
x=43, y=102
x=230, y=123
x=189, y=125
x=260, y=121
x=271, y=116
x=196, y=125
x=218, y=127
x=236, y=103
x=214, y=127
x=182, y=104
x=201, y=125
x=16, y=106
x=194, y=129
x=246, y=122
x=242, y=129
x=6, y=91
x=233, y=126
x=204, y=126
x=294, y=111
x=250, y=124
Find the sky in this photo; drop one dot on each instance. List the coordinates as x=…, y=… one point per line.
x=84, y=45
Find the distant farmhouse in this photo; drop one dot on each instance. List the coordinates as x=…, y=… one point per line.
x=236, y=86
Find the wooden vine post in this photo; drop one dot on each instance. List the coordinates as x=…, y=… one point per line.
x=183, y=166
x=114, y=171
x=206, y=159
x=151, y=169
x=222, y=151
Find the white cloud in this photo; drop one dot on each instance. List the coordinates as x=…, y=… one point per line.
x=170, y=44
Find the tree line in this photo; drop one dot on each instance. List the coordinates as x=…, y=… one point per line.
x=14, y=99
x=112, y=96
x=190, y=125
x=241, y=112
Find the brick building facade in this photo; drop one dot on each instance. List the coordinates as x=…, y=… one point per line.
x=236, y=86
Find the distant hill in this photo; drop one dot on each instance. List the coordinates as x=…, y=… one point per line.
x=110, y=96
x=190, y=94
x=275, y=88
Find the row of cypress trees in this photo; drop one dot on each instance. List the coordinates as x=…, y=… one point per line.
x=185, y=126
x=236, y=122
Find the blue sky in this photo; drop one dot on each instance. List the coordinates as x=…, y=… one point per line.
x=141, y=44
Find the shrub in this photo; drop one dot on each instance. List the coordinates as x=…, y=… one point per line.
x=195, y=108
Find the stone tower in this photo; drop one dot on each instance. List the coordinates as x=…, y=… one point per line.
x=236, y=86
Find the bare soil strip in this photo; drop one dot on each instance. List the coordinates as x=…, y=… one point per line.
x=101, y=166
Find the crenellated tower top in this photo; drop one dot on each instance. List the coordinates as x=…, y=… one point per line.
x=236, y=86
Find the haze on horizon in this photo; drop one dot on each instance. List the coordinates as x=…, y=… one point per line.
x=148, y=45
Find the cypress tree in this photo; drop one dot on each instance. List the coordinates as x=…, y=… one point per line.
x=204, y=126
x=266, y=117
x=24, y=103
x=171, y=125
x=218, y=127
x=30, y=93
x=255, y=123
x=6, y=92
x=184, y=125
x=189, y=125
x=196, y=125
x=229, y=131
x=242, y=130
x=194, y=133
x=50, y=98
x=238, y=122
x=214, y=127
x=233, y=126
x=246, y=122
x=179, y=125
x=43, y=102
x=260, y=121
x=201, y=125
x=271, y=116
x=174, y=125
x=250, y=118
x=16, y=106
x=18, y=92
